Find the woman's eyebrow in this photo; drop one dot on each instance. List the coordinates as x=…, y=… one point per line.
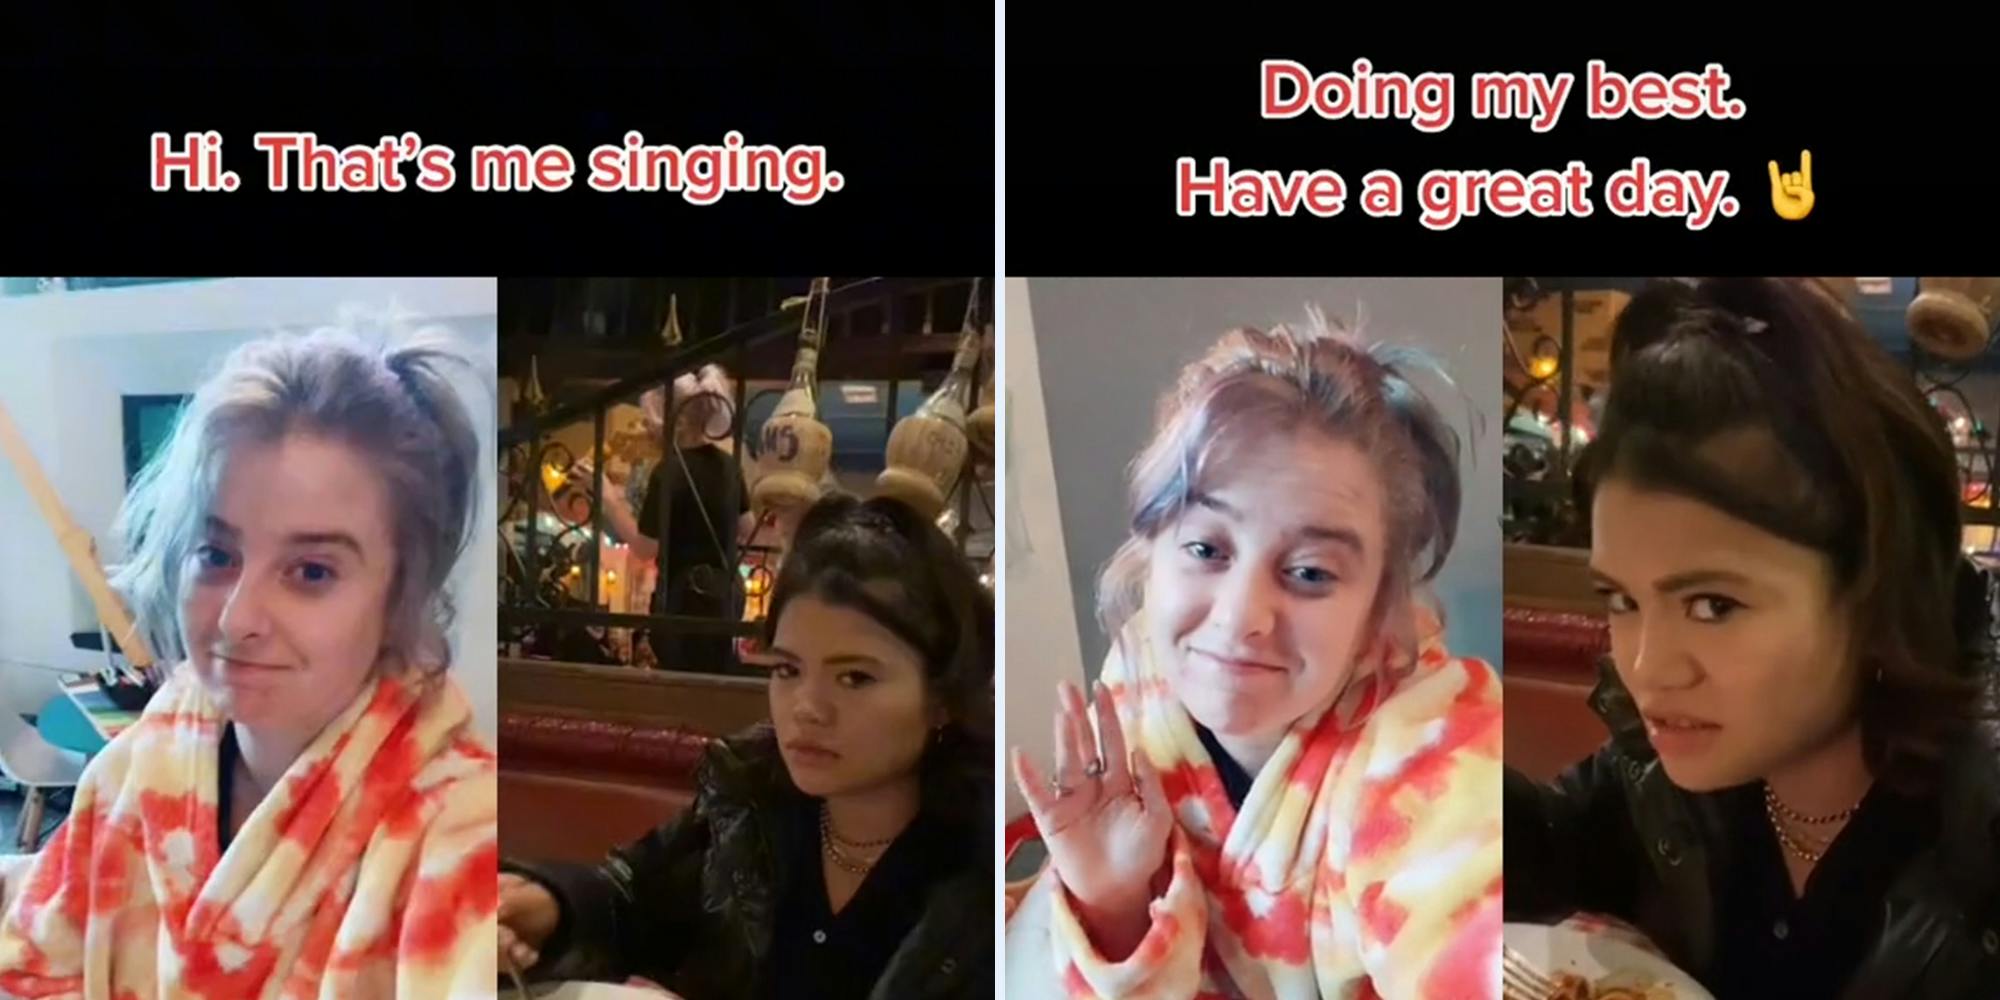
x=1674, y=583
x=851, y=659
x=1212, y=503
x=339, y=538
x=1339, y=535
x=1690, y=579
x=228, y=532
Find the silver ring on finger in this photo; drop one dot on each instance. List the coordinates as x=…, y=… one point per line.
x=1095, y=769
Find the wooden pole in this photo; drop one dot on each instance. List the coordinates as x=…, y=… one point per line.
x=76, y=544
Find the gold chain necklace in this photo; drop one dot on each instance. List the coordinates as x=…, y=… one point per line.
x=1796, y=849
x=1771, y=799
x=831, y=844
x=826, y=827
x=1774, y=809
x=856, y=867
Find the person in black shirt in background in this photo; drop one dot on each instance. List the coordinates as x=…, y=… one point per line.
x=845, y=848
x=708, y=511
x=1801, y=794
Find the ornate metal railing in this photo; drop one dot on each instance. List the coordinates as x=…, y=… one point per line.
x=1537, y=489
x=1538, y=455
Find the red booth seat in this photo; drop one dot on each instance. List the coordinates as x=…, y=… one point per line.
x=1550, y=661
x=573, y=788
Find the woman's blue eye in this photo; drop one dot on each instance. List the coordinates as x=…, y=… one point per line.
x=1201, y=550
x=314, y=573
x=1313, y=575
x=211, y=557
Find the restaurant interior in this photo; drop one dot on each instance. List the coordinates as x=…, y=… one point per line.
x=611, y=682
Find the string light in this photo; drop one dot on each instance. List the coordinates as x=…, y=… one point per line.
x=1546, y=360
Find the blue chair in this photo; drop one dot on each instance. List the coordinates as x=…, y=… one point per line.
x=63, y=724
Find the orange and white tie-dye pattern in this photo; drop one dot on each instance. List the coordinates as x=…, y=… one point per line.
x=368, y=872
x=1365, y=862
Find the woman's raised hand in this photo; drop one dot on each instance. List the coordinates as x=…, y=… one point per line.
x=1104, y=818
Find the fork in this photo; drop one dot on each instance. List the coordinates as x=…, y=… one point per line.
x=514, y=973
x=1520, y=980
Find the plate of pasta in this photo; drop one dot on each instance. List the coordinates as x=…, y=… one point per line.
x=1600, y=964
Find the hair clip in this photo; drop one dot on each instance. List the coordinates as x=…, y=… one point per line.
x=1752, y=324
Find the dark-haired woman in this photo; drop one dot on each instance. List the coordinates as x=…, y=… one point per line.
x=1801, y=795
x=846, y=849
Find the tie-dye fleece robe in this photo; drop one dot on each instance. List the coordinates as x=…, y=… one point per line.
x=368, y=872
x=1365, y=862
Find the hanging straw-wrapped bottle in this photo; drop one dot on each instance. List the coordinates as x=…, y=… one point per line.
x=670, y=331
x=1953, y=318
x=927, y=448
x=795, y=449
x=979, y=423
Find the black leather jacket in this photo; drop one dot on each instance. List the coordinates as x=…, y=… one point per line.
x=692, y=905
x=1614, y=826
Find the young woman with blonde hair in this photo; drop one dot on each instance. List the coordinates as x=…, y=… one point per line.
x=1292, y=787
x=304, y=808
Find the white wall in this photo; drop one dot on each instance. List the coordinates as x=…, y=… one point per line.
x=70, y=357
x=1041, y=622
